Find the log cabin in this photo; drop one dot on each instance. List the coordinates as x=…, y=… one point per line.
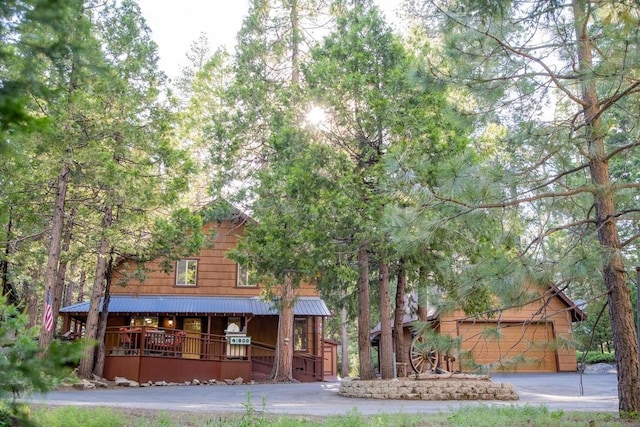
x=205, y=320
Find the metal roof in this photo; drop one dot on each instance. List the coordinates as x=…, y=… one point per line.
x=177, y=304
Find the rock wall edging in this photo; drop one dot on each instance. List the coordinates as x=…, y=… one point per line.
x=429, y=389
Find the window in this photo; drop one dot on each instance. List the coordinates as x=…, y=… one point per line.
x=149, y=321
x=300, y=334
x=187, y=272
x=243, y=277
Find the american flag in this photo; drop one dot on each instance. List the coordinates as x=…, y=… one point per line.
x=48, y=312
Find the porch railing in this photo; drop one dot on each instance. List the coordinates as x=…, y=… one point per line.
x=306, y=367
x=262, y=357
x=164, y=342
x=175, y=343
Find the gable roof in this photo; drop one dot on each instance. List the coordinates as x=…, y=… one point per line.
x=575, y=310
x=200, y=305
x=577, y=314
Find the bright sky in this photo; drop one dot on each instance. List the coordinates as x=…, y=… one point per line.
x=177, y=24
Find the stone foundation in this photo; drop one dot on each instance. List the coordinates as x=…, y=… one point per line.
x=430, y=387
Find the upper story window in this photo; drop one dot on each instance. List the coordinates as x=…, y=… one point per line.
x=242, y=278
x=187, y=272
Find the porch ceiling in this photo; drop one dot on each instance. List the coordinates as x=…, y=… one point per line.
x=178, y=304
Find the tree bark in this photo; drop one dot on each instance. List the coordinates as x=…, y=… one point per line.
x=364, y=315
x=62, y=266
x=81, y=283
x=422, y=310
x=620, y=309
x=398, y=321
x=91, y=329
x=31, y=299
x=53, y=259
x=344, y=369
x=67, y=300
x=102, y=319
x=295, y=44
x=283, y=363
x=386, y=338
x=8, y=290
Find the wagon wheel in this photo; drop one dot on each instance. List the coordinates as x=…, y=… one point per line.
x=423, y=357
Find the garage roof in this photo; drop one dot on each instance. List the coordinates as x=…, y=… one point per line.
x=177, y=304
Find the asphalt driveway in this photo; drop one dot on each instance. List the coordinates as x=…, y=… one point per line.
x=567, y=391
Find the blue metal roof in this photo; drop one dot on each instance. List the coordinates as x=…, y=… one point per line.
x=149, y=304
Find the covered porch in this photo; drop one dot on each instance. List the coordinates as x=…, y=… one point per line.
x=182, y=341
x=159, y=354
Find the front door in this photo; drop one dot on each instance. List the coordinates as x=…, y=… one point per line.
x=191, y=347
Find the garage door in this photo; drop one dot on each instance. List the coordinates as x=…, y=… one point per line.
x=515, y=346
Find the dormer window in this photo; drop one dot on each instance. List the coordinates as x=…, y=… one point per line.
x=187, y=272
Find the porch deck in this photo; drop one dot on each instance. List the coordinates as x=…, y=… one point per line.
x=148, y=354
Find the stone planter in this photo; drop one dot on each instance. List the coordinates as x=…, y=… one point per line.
x=430, y=387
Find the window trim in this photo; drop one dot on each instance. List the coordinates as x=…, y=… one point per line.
x=240, y=272
x=187, y=262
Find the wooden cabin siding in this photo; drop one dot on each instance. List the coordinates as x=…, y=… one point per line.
x=544, y=323
x=263, y=329
x=216, y=274
x=515, y=347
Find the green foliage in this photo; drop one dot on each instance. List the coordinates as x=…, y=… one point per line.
x=484, y=416
x=17, y=49
x=82, y=417
x=594, y=333
x=499, y=416
x=176, y=237
x=23, y=369
x=432, y=340
x=592, y=357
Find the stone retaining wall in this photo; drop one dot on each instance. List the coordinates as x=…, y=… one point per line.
x=433, y=387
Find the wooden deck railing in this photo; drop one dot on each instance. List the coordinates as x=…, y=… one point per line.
x=175, y=343
x=306, y=367
x=163, y=342
x=262, y=357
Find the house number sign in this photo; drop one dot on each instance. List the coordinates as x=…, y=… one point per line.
x=240, y=340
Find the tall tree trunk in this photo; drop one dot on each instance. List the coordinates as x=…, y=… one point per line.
x=344, y=367
x=8, y=290
x=295, y=44
x=81, y=283
x=31, y=300
x=398, y=321
x=422, y=310
x=283, y=363
x=344, y=348
x=386, y=338
x=53, y=259
x=103, y=317
x=91, y=329
x=620, y=309
x=364, y=315
x=69, y=289
x=62, y=266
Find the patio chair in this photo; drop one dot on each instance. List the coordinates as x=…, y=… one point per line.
x=128, y=340
x=125, y=339
x=173, y=343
